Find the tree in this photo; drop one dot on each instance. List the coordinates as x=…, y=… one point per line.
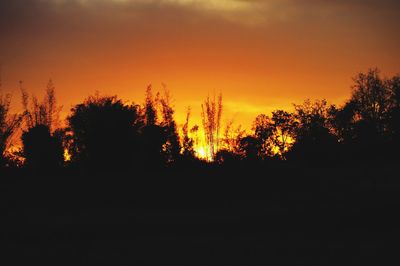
x=42, y=149
x=315, y=141
x=371, y=98
x=160, y=135
x=187, y=142
x=342, y=122
x=171, y=148
x=45, y=112
x=231, y=149
x=393, y=85
x=9, y=124
x=232, y=136
x=393, y=122
x=150, y=111
x=285, y=126
x=368, y=117
x=314, y=120
x=263, y=127
x=249, y=147
x=42, y=140
x=226, y=157
x=105, y=133
x=211, y=119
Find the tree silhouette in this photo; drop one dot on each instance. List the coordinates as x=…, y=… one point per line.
x=343, y=122
x=42, y=149
x=232, y=149
x=187, y=142
x=45, y=112
x=371, y=98
x=42, y=140
x=105, y=133
x=150, y=111
x=315, y=141
x=227, y=157
x=232, y=136
x=263, y=128
x=9, y=124
x=368, y=114
x=211, y=112
x=171, y=147
x=394, y=113
x=250, y=147
x=194, y=131
x=285, y=126
x=160, y=139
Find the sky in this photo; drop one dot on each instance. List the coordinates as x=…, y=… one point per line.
x=260, y=54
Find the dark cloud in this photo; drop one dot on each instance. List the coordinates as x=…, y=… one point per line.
x=57, y=22
x=16, y=15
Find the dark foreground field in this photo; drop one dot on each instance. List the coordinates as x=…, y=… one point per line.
x=211, y=217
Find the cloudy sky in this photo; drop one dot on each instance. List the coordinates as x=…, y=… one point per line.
x=261, y=54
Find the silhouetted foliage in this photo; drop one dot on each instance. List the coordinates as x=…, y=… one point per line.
x=285, y=126
x=160, y=136
x=105, y=133
x=211, y=112
x=393, y=85
x=371, y=99
x=343, y=122
x=171, y=147
x=150, y=111
x=264, y=129
x=364, y=123
x=231, y=138
x=250, y=147
x=45, y=112
x=42, y=149
x=9, y=124
x=315, y=141
x=42, y=140
x=187, y=142
x=227, y=157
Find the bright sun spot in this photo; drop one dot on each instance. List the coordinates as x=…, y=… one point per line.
x=201, y=153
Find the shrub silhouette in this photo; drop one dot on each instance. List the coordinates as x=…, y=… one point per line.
x=41, y=149
x=9, y=124
x=368, y=117
x=285, y=126
x=41, y=138
x=315, y=142
x=250, y=147
x=187, y=142
x=171, y=146
x=104, y=133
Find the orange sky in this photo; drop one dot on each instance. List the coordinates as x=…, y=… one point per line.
x=261, y=55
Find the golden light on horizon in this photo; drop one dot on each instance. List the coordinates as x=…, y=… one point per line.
x=201, y=153
x=67, y=155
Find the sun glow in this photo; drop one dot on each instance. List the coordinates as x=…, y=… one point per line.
x=201, y=152
x=67, y=155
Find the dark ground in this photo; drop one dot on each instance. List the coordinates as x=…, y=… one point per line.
x=212, y=217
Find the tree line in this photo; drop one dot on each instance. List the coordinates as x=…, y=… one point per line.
x=103, y=132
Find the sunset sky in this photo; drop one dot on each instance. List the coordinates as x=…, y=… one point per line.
x=260, y=54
